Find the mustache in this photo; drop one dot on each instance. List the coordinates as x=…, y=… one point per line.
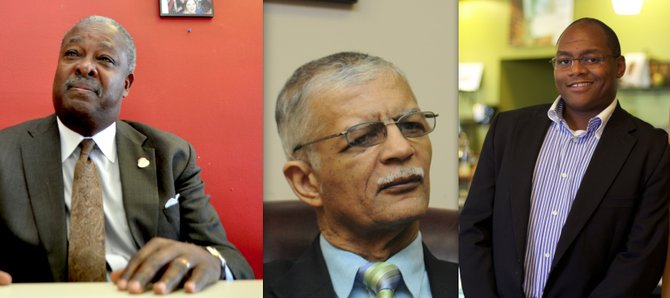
x=83, y=82
x=400, y=175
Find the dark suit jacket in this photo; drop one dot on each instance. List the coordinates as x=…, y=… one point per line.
x=33, y=235
x=613, y=243
x=308, y=276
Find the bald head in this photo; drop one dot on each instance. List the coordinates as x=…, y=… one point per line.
x=612, y=39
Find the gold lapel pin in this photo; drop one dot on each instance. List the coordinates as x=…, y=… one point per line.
x=143, y=162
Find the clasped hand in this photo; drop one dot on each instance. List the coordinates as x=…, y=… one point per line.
x=169, y=264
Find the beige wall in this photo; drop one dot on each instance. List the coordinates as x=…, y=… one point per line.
x=420, y=37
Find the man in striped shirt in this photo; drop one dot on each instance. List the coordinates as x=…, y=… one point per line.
x=569, y=199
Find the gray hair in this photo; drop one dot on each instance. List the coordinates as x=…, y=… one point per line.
x=128, y=40
x=295, y=122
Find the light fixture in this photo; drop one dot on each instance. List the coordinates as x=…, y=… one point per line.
x=627, y=7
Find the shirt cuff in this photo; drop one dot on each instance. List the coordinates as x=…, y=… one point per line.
x=228, y=275
x=225, y=271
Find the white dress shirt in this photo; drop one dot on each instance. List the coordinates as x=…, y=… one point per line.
x=119, y=245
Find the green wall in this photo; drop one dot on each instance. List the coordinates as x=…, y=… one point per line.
x=483, y=34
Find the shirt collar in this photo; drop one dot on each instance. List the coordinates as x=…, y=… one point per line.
x=555, y=113
x=343, y=265
x=69, y=141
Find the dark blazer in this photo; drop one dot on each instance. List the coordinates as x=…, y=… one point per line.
x=613, y=243
x=308, y=276
x=33, y=233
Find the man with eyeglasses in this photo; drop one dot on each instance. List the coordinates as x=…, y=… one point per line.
x=359, y=153
x=569, y=199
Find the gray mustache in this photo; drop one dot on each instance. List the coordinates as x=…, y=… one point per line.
x=399, y=174
x=85, y=82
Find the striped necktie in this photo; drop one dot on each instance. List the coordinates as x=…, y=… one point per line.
x=381, y=278
x=86, y=243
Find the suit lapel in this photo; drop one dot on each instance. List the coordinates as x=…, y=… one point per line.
x=44, y=177
x=527, y=140
x=608, y=157
x=138, y=182
x=307, y=278
x=442, y=275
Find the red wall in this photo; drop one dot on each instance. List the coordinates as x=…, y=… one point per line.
x=200, y=78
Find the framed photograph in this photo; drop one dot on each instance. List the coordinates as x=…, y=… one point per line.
x=539, y=22
x=187, y=8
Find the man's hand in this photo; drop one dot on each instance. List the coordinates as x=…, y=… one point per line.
x=5, y=278
x=169, y=263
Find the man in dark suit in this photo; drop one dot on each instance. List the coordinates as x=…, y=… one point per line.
x=159, y=225
x=359, y=153
x=569, y=199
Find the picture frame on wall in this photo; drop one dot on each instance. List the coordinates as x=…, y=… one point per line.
x=539, y=22
x=186, y=8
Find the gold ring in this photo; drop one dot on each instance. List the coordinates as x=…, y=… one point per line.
x=184, y=262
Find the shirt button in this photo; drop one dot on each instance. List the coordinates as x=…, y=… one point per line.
x=554, y=212
x=546, y=255
x=564, y=175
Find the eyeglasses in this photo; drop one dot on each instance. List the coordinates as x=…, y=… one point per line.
x=587, y=61
x=411, y=125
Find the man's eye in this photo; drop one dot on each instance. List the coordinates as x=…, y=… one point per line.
x=71, y=53
x=367, y=135
x=563, y=61
x=362, y=140
x=412, y=128
x=591, y=60
x=106, y=59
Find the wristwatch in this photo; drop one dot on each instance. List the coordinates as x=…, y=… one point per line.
x=213, y=251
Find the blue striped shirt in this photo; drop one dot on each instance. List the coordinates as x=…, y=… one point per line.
x=560, y=166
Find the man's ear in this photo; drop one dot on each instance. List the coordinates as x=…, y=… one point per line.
x=304, y=182
x=620, y=66
x=127, y=83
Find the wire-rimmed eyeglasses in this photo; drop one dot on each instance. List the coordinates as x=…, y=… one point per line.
x=411, y=125
x=587, y=61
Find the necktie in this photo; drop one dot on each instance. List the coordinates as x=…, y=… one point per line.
x=86, y=249
x=380, y=277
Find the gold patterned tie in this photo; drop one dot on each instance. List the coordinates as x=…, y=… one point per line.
x=381, y=278
x=86, y=250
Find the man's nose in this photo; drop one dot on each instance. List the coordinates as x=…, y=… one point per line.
x=577, y=66
x=86, y=67
x=396, y=146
